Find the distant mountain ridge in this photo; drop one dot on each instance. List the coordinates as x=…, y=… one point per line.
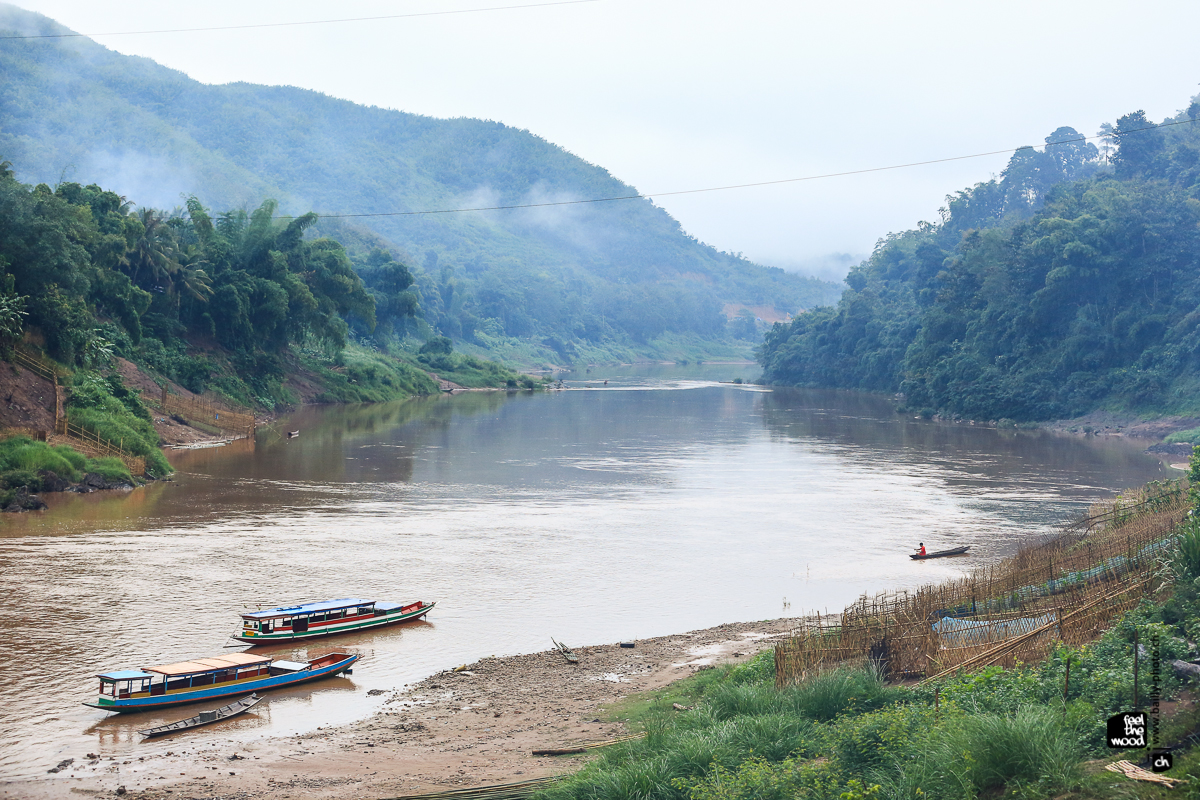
x=573, y=276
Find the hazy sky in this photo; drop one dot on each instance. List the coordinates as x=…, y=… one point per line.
x=671, y=95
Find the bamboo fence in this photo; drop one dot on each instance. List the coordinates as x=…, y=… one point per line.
x=193, y=410
x=96, y=446
x=33, y=433
x=1066, y=587
x=35, y=364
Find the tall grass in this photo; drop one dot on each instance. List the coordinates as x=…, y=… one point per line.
x=22, y=460
x=742, y=716
x=822, y=697
x=1185, y=553
x=1033, y=753
x=836, y=735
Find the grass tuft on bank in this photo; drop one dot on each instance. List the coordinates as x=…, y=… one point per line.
x=24, y=463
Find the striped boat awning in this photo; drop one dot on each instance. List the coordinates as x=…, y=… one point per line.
x=214, y=664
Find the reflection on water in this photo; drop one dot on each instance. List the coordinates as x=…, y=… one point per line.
x=652, y=504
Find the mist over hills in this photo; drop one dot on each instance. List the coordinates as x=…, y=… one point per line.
x=576, y=279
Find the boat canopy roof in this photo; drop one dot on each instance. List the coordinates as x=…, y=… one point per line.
x=124, y=675
x=307, y=608
x=214, y=664
x=388, y=605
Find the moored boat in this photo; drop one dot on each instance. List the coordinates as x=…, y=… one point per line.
x=953, y=551
x=310, y=620
x=208, y=679
x=206, y=717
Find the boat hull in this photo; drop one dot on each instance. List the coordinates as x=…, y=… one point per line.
x=256, y=637
x=239, y=688
x=956, y=551
x=220, y=715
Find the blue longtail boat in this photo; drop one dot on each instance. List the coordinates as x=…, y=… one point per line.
x=208, y=679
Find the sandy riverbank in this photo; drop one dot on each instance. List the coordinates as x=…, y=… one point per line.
x=451, y=730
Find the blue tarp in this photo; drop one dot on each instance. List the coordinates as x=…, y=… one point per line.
x=963, y=632
x=307, y=608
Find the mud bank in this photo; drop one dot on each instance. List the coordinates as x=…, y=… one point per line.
x=472, y=727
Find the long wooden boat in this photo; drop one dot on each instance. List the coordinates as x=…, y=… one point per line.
x=310, y=620
x=953, y=551
x=208, y=679
x=207, y=717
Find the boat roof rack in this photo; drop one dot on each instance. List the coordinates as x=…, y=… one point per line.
x=214, y=664
x=307, y=608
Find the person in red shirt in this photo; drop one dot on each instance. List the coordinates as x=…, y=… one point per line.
x=921, y=552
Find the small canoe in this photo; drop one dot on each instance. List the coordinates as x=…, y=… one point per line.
x=953, y=551
x=207, y=717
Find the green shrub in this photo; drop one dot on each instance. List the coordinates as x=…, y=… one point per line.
x=24, y=455
x=759, y=669
x=1190, y=436
x=76, y=459
x=438, y=345
x=775, y=737
x=838, y=691
x=758, y=779
x=879, y=737
x=1185, y=552
x=16, y=478
x=1031, y=749
x=111, y=469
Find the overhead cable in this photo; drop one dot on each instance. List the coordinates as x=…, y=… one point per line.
x=651, y=195
x=72, y=34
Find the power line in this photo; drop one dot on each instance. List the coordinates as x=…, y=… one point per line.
x=651, y=195
x=72, y=34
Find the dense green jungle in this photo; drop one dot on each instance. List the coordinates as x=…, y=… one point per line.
x=237, y=302
x=613, y=281
x=1069, y=284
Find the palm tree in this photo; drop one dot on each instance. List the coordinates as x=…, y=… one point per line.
x=190, y=278
x=154, y=251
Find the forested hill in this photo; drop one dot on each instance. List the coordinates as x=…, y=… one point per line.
x=1072, y=283
x=575, y=276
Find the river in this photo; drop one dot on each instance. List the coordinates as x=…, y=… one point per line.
x=661, y=501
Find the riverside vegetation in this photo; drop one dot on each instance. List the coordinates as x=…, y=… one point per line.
x=34, y=466
x=237, y=303
x=1070, y=284
x=843, y=734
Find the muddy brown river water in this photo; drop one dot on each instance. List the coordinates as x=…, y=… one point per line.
x=661, y=502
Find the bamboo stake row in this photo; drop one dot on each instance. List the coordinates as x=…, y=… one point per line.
x=1072, y=579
